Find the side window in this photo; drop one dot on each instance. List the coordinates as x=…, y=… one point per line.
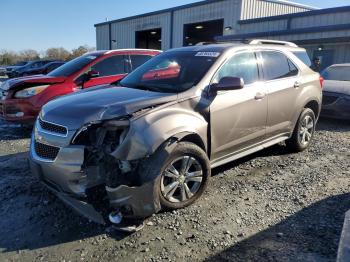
x=113, y=65
x=242, y=65
x=277, y=66
x=303, y=56
x=138, y=60
x=293, y=70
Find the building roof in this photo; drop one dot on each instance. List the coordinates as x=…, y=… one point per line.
x=200, y=3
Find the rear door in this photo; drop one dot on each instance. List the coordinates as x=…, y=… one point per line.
x=284, y=85
x=111, y=69
x=238, y=117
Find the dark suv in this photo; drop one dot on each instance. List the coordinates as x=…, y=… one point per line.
x=21, y=71
x=150, y=142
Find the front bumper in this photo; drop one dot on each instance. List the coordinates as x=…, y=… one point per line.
x=74, y=184
x=336, y=106
x=18, y=110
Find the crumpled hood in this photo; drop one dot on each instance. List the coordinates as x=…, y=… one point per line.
x=36, y=79
x=106, y=102
x=341, y=87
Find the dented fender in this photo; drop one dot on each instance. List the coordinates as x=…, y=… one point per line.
x=147, y=133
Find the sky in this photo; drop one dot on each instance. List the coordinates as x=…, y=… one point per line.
x=40, y=24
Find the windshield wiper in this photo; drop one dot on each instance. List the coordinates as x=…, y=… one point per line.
x=144, y=87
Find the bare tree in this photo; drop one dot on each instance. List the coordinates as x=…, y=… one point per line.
x=8, y=57
x=81, y=50
x=29, y=54
x=57, y=53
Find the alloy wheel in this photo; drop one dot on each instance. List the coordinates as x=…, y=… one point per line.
x=306, y=130
x=181, y=179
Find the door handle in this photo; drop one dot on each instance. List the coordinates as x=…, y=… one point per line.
x=259, y=96
x=296, y=84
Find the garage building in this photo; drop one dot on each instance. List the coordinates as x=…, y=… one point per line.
x=324, y=32
x=188, y=24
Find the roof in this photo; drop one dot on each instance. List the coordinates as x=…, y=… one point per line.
x=284, y=2
x=103, y=52
x=206, y=48
x=200, y=3
x=221, y=47
x=345, y=64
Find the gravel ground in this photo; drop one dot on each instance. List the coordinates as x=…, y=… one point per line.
x=271, y=206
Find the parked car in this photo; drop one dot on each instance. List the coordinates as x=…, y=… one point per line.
x=9, y=69
x=21, y=71
x=45, y=69
x=2, y=71
x=149, y=143
x=336, y=92
x=22, y=98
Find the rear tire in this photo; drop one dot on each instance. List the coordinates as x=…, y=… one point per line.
x=181, y=173
x=303, y=131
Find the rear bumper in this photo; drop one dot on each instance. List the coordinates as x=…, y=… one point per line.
x=339, y=108
x=18, y=110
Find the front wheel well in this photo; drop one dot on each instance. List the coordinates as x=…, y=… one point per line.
x=195, y=139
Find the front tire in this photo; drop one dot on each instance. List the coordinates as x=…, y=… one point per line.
x=181, y=174
x=303, y=131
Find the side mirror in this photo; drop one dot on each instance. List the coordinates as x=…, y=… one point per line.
x=81, y=80
x=227, y=83
x=92, y=74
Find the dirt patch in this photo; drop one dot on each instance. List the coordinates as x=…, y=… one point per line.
x=271, y=206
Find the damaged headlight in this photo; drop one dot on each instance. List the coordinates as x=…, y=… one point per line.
x=107, y=134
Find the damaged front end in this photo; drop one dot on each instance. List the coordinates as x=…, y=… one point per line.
x=89, y=176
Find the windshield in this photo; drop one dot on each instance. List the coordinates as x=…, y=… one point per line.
x=73, y=66
x=172, y=72
x=338, y=73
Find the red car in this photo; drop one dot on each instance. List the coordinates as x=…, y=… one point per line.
x=22, y=98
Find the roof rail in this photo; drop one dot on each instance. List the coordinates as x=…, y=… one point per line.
x=271, y=42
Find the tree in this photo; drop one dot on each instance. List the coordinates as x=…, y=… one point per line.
x=8, y=57
x=29, y=54
x=59, y=53
x=81, y=50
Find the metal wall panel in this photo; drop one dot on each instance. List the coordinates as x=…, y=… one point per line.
x=102, y=37
x=228, y=10
x=124, y=32
x=296, y=23
x=321, y=20
x=341, y=51
x=259, y=8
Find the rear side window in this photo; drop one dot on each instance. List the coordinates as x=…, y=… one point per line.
x=242, y=65
x=277, y=66
x=338, y=73
x=304, y=57
x=114, y=65
x=138, y=60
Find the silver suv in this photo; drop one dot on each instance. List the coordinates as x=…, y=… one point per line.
x=149, y=142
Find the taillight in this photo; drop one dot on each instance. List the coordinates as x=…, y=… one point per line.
x=321, y=81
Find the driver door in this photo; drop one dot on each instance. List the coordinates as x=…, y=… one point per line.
x=110, y=70
x=238, y=117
